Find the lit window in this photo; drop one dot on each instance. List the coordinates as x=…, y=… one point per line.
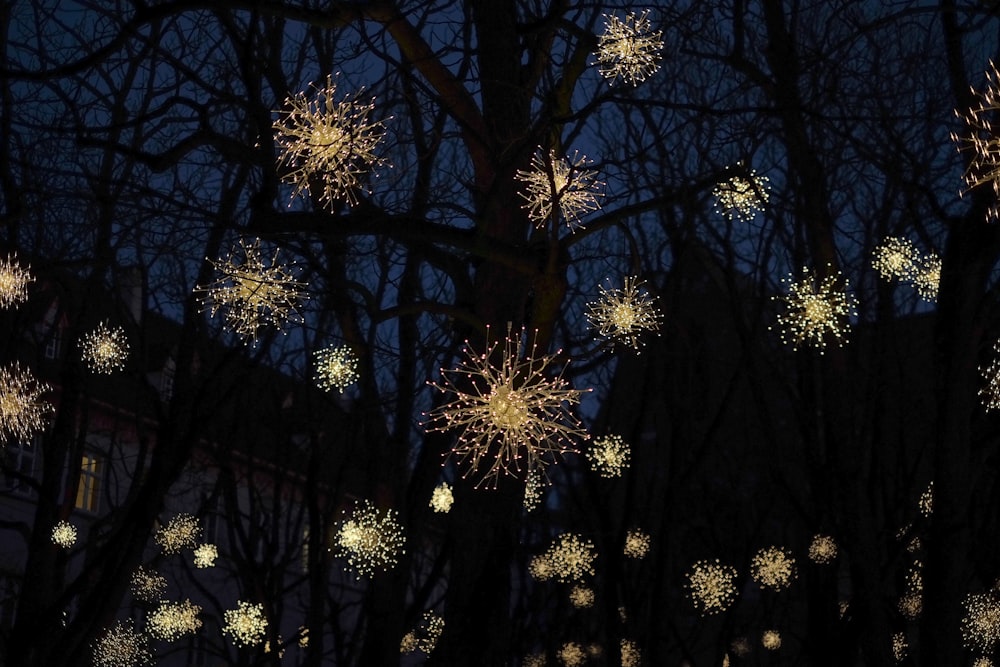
x=88, y=493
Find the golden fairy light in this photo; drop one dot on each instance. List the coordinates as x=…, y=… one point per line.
x=172, y=620
x=623, y=315
x=991, y=375
x=336, y=368
x=817, y=309
x=510, y=412
x=571, y=557
x=534, y=660
x=533, y=486
x=740, y=647
x=560, y=187
x=595, y=650
x=425, y=637
x=251, y=292
x=328, y=143
x=541, y=568
x=370, y=539
x=629, y=49
x=773, y=568
x=205, y=555
x=981, y=621
x=64, y=534
x=927, y=277
x=631, y=654
x=581, y=597
x=981, y=141
x=900, y=646
x=104, y=349
x=742, y=197
x=22, y=412
x=14, y=281
x=711, y=586
x=895, y=258
x=409, y=644
x=246, y=624
x=181, y=532
x=822, y=549
x=982, y=661
x=122, y=646
x=771, y=640
x=609, y=455
x=147, y=585
x=926, y=502
x=442, y=498
x=571, y=654
x=636, y=544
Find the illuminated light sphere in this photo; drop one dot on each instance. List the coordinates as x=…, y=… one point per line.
x=14, y=281
x=822, y=549
x=581, y=597
x=982, y=661
x=172, y=620
x=926, y=502
x=911, y=605
x=181, y=532
x=609, y=455
x=122, y=646
x=740, y=647
x=205, y=555
x=771, y=640
x=541, y=568
x=711, y=586
x=629, y=49
x=984, y=167
x=246, y=624
x=900, y=646
x=327, y=142
x=624, y=315
x=560, y=187
x=104, y=349
x=927, y=277
x=22, y=412
x=773, y=568
x=572, y=654
x=147, y=585
x=636, y=544
x=742, y=197
x=442, y=498
x=533, y=486
x=572, y=557
x=817, y=309
x=336, y=368
x=64, y=534
x=981, y=622
x=631, y=654
x=370, y=539
x=511, y=414
x=252, y=293
x=896, y=258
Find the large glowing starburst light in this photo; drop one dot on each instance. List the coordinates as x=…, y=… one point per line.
x=712, y=586
x=982, y=141
x=742, y=197
x=122, y=645
x=560, y=186
x=14, y=281
x=370, y=539
x=629, y=49
x=246, y=624
x=624, y=315
x=336, y=368
x=104, y=349
x=22, y=412
x=510, y=413
x=817, y=309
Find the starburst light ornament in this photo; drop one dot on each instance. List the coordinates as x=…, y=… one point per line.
x=370, y=539
x=927, y=278
x=822, y=549
x=327, y=143
x=636, y=544
x=442, y=498
x=122, y=646
x=609, y=455
x=982, y=141
x=624, y=315
x=104, y=349
x=773, y=568
x=982, y=662
x=991, y=374
x=742, y=197
x=252, y=293
x=172, y=620
x=425, y=637
x=14, y=281
x=562, y=187
x=581, y=597
x=533, y=487
x=181, y=532
x=900, y=647
x=896, y=258
x=926, y=502
x=816, y=310
x=336, y=368
x=205, y=555
x=629, y=49
x=981, y=622
x=571, y=557
x=147, y=585
x=631, y=654
x=511, y=413
x=64, y=534
x=572, y=654
x=22, y=412
x=246, y=624
x=711, y=586
x=771, y=640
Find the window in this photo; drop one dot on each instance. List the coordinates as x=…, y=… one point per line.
x=88, y=493
x=19, y=464
x=54, y=345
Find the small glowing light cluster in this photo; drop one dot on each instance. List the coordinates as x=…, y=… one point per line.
x=631, y=654
x=581, y=597
x=816, y=309
x=442, y=498
x=898, y=259
x=370, y=539
x=510, y=416
x=532, y=490
x=22, y=412
x=541, y=568
x=822, y=549
x=636, y=544
x=181, y=532
x=570, y=558
x=425, y=637
x=534, y=660
x=982, y=662
x=629, y=49
x=559, y=186
x=246, y=624
x=742, y=197
x=122, y=646
x=104, y=349
x=336, y=368
x=252, y=293
x=408, y=644
x=572, y=654
x=982, y=141
x=14, y=281
x=773, y=568
x=740, y=647
x=900, y=647
x=609, y=455
x=326, y=141
x=926, y=502
x=991, y=374
x=712, y=586
x=911, y=604
x=205, y=555
x=147, y=585
x=928, y=277
x=64, y=534
x=981, y=622
x=622, y=315
x=771, y=640
x=173, y=620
